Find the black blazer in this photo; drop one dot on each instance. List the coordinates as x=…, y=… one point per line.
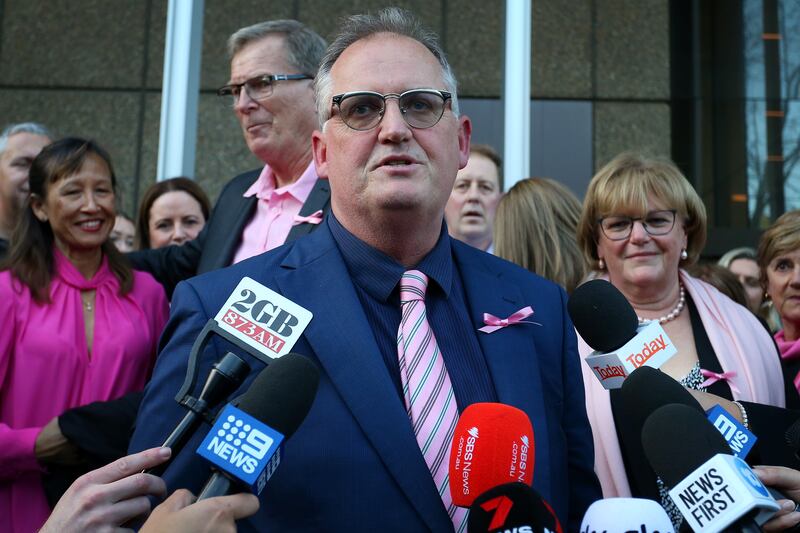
x=216, y=245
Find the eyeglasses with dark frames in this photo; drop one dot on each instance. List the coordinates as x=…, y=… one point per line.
x=257, y=88
x=618, y=228
x=363, y=110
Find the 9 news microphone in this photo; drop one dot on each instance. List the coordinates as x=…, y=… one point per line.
x=608, y=323
x=628, y=515
x=492, y=445
x=225, y=376
x=244, y=445
x=713, y=490
x=512, y=507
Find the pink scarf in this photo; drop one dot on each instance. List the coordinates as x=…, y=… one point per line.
x=790, y=350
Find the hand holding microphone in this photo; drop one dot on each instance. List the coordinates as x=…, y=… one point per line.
x=181, y=513
x=787, y=480
x=109, y=496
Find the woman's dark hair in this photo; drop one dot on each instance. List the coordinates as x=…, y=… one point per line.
x=156, y=190
x=31, y=258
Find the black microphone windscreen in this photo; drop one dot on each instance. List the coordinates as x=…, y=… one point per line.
x=509, y=506
x=602, y=315
x=677, y=439
x=647, y=389
x=282, y=394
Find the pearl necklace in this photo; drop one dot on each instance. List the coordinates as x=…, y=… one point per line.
x=672, y=315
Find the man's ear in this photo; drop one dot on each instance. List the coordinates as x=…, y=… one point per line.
x=37, y=205
x=464, y=135
x=320, y=149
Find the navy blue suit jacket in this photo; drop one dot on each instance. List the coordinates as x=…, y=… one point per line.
x=354, y=464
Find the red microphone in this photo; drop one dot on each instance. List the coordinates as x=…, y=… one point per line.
x=492, y=445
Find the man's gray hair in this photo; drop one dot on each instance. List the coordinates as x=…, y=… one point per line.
x=23, y=127
x=304, y=46
x=358, y=27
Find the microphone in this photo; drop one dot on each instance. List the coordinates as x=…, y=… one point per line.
x=244, y=445
x=647, y=389
x=225, y=377
x=608, y=323
x=512, y=507
x=713, y=490
x=492, y=445
x=631, y=515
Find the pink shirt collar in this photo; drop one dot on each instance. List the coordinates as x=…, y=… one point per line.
x=264, y=186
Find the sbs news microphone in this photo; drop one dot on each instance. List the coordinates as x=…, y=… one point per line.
x=245, y=443
x=225, y=376
x=492, y=445
x=608, y=323
x=713, y=490
x=626, y=515
x=512, y=508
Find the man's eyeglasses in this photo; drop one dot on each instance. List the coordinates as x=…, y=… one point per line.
x=257, y=88
x=363, y=110
x=618, y=228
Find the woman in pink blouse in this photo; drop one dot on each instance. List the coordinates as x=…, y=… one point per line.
x=78, y=325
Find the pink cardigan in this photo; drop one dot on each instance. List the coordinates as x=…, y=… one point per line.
x=45, y=367
x=741, y=344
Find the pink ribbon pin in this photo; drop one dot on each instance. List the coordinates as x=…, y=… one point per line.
x=494, y=323
x=713, y=377
x=313, y=218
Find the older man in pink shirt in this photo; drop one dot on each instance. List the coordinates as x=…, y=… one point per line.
x=270, y=91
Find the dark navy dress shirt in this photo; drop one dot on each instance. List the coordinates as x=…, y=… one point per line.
x=376, y=277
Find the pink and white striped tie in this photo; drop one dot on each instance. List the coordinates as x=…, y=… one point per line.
x=427, y=390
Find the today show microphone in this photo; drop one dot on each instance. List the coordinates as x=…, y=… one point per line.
x=626, y=515
x=225, y=376
x=245, y=443
x=492, y=445
x=512, y=508
x=608, y=323
x=713, y=490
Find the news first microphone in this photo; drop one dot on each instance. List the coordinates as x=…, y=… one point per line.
x=713, y=490
x=512, y=508
x=626, y=515
x=608, y=324
x=492, y=445
x=245, y=444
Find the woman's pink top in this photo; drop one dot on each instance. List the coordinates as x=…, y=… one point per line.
x=46, y=369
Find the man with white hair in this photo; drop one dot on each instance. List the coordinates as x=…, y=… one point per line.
x=19, y=145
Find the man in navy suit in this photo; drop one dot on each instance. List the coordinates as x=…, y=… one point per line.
x=391, y=142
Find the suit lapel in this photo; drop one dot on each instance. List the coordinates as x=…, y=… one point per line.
x=233, y=217
x=340, y=336
x=510, y=352
x=318, y=199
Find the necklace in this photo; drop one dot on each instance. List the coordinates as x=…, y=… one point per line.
x=672, y=315
x=87, y=301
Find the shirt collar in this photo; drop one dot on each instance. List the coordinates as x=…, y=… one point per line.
x=264, y=186
x=378, y=274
